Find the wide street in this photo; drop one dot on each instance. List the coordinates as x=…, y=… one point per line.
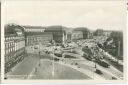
x=42, y=63
x=47, y=71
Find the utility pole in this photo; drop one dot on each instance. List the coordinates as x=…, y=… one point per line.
x=53, y=67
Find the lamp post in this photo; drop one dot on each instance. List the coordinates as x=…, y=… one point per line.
x=94, y=60
x=39, y=55
x=53, y=61
x=118, y=52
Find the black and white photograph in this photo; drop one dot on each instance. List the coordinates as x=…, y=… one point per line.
x=64, y=40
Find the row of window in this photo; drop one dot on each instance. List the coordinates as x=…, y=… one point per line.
x=35, y=30
x=13, y=38
x=36, y=39
x=9, y=44
x=7, y=51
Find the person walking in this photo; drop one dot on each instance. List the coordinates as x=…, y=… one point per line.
x=35, y=69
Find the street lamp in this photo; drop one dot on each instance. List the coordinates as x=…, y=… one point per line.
x=118, y=52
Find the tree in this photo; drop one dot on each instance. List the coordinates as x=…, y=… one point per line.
x=114, y=44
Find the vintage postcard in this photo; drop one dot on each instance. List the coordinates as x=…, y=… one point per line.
x=63, y=40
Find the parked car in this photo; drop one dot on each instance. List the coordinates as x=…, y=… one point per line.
x=86, y=56
x=56, y=59
x=113, y=78
x=69, y=56
x=58, y=54
x=35, y=47
x=98, y=71
x=102, y=63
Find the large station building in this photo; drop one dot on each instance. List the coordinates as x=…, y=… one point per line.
x=59, y=34
x=35, y=35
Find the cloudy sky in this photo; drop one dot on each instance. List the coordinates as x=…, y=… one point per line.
x=91, y=14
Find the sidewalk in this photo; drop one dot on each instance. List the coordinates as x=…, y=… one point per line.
x=85, y=71
x=24, y=68
x=82, y=70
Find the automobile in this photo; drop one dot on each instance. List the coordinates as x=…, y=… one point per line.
x=35, y=47
x=98, y=71
x=56, y=59
x=103, y=63
x=69, y=56
x=58, y=54
x=5, y=78
x=76, y=64
x=114, y=78
x=89, y=58
x=86, y=56
x=73, y=52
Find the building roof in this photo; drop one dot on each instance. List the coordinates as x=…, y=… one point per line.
x=81, y=29
x=58, y=28
x=55, y=28
x=38, y=33
x=34, y=27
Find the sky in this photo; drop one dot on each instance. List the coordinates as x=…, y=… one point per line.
x=108, y=15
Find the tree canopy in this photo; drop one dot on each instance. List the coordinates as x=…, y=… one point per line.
x=114, y=44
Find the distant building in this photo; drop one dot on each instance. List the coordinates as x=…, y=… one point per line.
x=14, y=45
x=83, y=31
x=34, y=28
x=37, y=38
x=90, y=35
x=98, y=32
x=107, y=33
x=35, y=35
x=101, y=32
x=77, y=35
x=59, y=34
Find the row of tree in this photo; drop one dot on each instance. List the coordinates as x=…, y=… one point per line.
x=114, y=44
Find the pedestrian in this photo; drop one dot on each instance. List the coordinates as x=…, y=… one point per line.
x=39, y=64
x=35, y=69
x=10, y=70
x=51, y=63
x=78, y=66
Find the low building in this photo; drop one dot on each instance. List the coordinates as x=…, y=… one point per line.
x=14, y=45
